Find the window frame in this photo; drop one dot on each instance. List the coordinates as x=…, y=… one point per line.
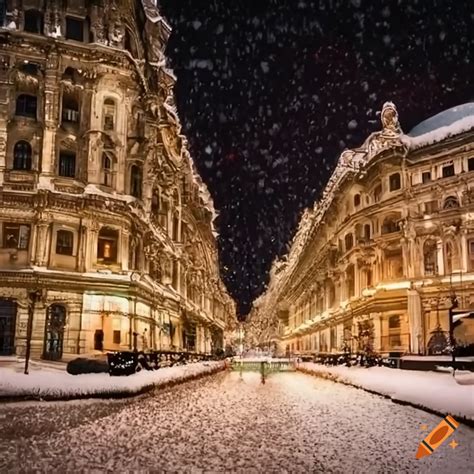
x=394, y=182
x=24, y=109
x=63, y=154
x=69, y=20
x=26, y=159
x=59, y=249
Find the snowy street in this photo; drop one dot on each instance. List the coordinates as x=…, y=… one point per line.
x=293, y=423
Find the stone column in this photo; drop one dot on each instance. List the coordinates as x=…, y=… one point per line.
x=91, y=247
x=440, y=256
x=51, y=108
x=464, y=257
x=42, y=244
x=414, y=318
x=378, y=331
x=123, y=250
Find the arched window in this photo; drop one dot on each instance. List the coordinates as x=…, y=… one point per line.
x=22, y=156
x=357, y=200
x=33, y=22
x=430, y=260
x=26, y=105
x=109, y=114
x=367, y=233
x=451, y=202
x=54, y=332
x=136, y=181
x=107, y=170
x=349, y=241
x=395, y=182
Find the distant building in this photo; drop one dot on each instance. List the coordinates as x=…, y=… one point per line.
x=106, y=230
x=379, y=259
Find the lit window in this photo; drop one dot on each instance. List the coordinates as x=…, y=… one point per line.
x=26, y=105
x=107, y=245
x=22, y=156
x=64, y=242
x=67, y=164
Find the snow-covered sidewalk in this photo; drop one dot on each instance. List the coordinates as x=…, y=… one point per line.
x=438, y=392
x=57, y=385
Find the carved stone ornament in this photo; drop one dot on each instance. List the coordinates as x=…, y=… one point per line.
x=389, y=117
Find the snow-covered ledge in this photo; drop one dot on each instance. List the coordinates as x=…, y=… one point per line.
x=436, y=392
x=58, y=385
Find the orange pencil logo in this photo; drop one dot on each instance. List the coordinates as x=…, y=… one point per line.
x=437, y=437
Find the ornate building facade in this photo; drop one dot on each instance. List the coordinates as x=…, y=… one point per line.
x=379, y=259
x=106, y=230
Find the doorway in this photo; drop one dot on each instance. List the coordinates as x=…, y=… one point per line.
x=7, y=326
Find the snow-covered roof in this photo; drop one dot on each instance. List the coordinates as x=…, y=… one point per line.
x=446, y=124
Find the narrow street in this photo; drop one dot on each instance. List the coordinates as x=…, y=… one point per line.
x=293, y=423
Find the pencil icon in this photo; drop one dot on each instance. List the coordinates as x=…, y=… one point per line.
x=437, y=437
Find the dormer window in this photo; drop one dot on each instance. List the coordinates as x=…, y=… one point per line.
x=109, y=114
x=395, y=182
x=75, y=29
x=33, y=22
x=26, y=106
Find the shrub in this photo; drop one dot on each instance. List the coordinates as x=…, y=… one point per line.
x=87, y=366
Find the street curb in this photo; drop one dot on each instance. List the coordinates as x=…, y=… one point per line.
x=111, y=395
x=335, y=378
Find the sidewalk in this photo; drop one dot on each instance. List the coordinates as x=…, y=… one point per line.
x=48, y=383
x=439, y=393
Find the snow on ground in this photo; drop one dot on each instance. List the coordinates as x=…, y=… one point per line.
x=432, y=390
x=294, y=423
x=45, y=383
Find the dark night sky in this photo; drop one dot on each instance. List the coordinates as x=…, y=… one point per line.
x=271, y=91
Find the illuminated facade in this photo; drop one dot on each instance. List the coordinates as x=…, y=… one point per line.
x=378, y=260
x=106, y=230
